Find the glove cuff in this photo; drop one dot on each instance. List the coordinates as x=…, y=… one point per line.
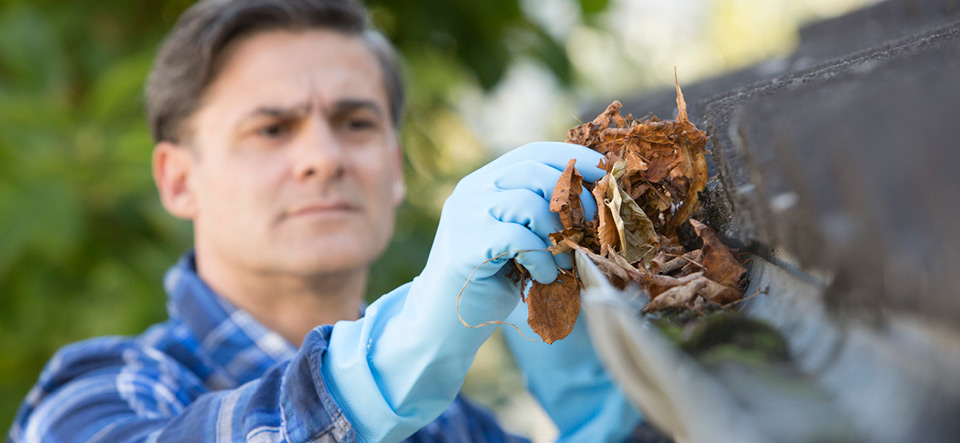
x=400, y=366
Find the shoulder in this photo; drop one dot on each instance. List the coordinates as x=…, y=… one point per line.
x=147, y=357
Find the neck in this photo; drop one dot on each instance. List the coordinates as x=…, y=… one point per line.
x=290, y=305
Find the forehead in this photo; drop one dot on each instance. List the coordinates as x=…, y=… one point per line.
x=282, y=67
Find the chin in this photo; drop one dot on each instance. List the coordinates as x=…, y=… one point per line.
x=330, y=247
x=336, y=256
x=310, y=265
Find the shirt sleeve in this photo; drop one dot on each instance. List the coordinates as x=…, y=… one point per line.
x=115, y=390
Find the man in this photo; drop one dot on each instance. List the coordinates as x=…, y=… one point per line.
x=276, y=134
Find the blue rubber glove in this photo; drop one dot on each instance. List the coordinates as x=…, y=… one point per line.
x=566, y=378
x=398, y=368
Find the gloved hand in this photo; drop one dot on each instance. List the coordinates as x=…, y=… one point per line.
x=566, y=378
x=395, y=370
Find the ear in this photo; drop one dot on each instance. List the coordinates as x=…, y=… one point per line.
x=399, y=187
x=173, y=165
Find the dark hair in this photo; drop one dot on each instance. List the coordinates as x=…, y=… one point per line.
x=190, y=56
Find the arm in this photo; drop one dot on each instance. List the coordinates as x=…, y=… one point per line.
x=396, y=369
x=114, y=390
x=391, y=373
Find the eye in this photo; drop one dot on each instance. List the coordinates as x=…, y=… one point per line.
x=274, y=130
x=358, y=124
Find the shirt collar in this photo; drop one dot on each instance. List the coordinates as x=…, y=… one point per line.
x=239, y=346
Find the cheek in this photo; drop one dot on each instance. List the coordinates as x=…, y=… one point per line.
x=378, y=174
x=237, y=189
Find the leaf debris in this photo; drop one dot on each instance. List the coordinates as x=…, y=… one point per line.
x=655, y=172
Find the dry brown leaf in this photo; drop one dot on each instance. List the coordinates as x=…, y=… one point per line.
x=588, y=134
x=656, y=284
x=691, y=295
x=695, y=264
x=692, y=146
x=719, y=293
x=681, y=103
x=607, y=228
x=559, y=246
x=720, y=264
x=634, y=273
x=661, y=161
x=638, y=241
x=565, y=200
x=634, y=162
x=691, y=258
x=682, y=297
x=519, y=275
x=658, y=263
x=670, y=247
x=618, y=275
x=553, y=308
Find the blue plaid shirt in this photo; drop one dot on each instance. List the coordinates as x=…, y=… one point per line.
x=209, y=373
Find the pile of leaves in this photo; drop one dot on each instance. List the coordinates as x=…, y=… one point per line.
x=643, y=233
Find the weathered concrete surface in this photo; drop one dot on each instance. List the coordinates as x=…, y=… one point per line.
x=849, y=170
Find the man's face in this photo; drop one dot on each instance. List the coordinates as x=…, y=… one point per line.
x=296, y=168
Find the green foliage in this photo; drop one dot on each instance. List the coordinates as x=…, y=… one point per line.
x=593, y=6
x=481, y=36
x=85, y=241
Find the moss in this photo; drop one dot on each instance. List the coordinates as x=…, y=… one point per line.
x=723, y=335
x=736, y=336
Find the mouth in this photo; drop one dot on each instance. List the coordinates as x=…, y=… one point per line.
x=322, y=209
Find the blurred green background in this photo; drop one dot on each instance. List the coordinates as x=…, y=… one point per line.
x=84, y=241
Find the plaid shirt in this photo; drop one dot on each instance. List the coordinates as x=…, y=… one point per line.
x=209, y=373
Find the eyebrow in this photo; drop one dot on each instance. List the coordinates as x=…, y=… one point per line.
x=346, y=106
x=280, y=112
x=339, y=108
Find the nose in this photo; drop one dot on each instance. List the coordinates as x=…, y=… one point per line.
x=318, y=154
